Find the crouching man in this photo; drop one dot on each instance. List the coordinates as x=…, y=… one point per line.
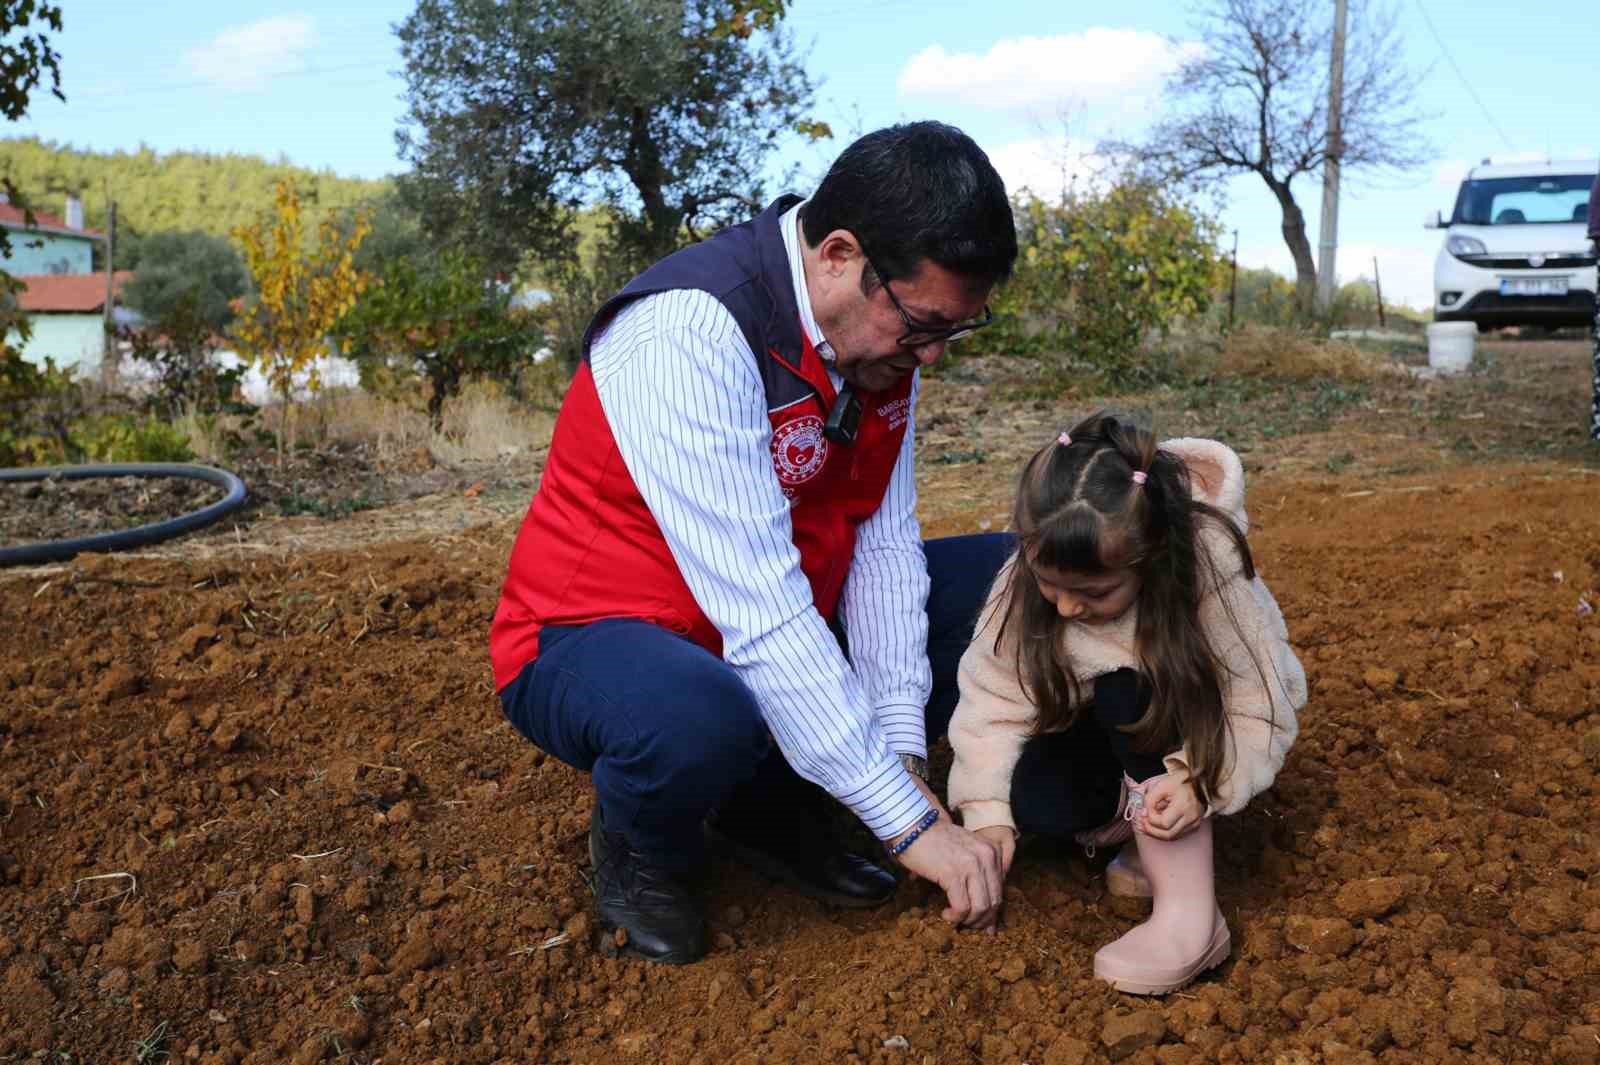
x=719, y=603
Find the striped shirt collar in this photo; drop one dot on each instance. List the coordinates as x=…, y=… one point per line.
x=789, y=226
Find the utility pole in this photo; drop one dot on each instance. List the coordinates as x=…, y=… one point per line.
x=1233, y=279
x=109, y=356
x=1329, y=234
x=1377, y=283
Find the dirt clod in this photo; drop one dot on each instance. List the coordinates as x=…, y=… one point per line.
x=1373, y=897
x=1125, y=1033
x=1067, y=1050
x=418, y=952
x=1319, y=935
x=227, y=737
x=118, y=682
x=1014, y=969
x=177, y=726
x=190, y=956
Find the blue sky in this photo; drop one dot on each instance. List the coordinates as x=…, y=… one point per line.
x=317, y=84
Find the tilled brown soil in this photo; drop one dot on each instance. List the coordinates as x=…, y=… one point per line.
x=264, y=811
x=271, y=813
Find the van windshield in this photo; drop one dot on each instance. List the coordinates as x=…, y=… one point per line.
x=1515, y=201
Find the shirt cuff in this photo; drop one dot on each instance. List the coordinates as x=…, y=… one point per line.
x=887, y=800
x=905, y=727
x=986, y=813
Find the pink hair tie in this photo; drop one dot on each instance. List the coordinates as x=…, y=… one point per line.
x=1064, y=440
x=1139, y=476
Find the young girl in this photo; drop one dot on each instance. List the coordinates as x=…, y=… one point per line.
x=1129, y=666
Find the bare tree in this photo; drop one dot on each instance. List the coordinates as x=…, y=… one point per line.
x=1255, y=100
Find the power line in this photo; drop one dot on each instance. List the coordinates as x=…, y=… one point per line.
x=1465, y=83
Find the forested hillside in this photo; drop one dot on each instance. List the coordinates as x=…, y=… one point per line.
x=178, y=190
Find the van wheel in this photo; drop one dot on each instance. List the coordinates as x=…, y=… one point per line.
x=1485, y=327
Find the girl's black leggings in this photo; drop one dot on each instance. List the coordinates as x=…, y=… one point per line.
x=1068, y=782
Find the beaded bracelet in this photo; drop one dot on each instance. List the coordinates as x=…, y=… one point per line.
x=911, y=837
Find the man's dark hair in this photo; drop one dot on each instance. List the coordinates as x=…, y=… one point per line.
x=922, y=190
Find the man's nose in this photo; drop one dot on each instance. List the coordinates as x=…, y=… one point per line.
x=928, y=354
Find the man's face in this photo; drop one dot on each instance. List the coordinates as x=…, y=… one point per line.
x=865, y=328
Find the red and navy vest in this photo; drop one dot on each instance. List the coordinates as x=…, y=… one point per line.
x=589, y=548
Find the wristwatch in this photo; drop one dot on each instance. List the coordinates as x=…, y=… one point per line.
x=917, y=767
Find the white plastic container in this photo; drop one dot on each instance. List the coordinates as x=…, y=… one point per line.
x=1450, y=345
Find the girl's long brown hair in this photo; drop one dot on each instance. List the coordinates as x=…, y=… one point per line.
x=1078, y=508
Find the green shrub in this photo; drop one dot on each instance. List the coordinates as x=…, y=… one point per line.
x=38, y=405
x=1099, y=273
x=447, y=317
x=180, y=347
x=123, y=438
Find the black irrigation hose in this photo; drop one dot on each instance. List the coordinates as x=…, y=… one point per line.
x=124, y=539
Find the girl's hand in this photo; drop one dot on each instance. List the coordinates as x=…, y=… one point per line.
x=1172, y=808
x=1005, y=841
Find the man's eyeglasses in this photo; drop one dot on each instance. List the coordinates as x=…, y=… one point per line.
x=918, y=334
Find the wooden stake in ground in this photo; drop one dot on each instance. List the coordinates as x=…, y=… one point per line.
x=1377, y=283
x=110, y=357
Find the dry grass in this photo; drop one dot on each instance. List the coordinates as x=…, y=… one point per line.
x=208, y=434
x=1283, y=353
x=390, y=429
x=482, y=424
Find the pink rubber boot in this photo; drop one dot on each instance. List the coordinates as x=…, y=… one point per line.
x=1185, y=934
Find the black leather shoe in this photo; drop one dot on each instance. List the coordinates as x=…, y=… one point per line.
x=659, y=912
x=809, y=862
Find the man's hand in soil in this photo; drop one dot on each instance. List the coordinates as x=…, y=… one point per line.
x=968, y=868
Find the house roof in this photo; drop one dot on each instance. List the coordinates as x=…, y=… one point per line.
x=13, y=217
x=67, y=293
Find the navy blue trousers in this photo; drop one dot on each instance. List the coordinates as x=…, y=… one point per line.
x=669, y=732
x=1070, y=781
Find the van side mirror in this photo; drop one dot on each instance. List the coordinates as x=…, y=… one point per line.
x=1433, y=221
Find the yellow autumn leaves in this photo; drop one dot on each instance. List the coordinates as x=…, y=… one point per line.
x=302, y=288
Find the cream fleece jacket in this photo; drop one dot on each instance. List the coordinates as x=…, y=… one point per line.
x=994, y=716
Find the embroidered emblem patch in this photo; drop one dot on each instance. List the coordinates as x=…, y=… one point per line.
x=798, y=450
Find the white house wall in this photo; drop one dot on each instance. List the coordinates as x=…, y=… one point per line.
x=75, y=340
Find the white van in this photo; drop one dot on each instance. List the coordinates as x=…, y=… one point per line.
x=1515, y=249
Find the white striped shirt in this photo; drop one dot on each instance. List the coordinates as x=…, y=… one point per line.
x=682, y=392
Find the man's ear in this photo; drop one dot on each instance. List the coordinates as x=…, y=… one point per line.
x=839, y=252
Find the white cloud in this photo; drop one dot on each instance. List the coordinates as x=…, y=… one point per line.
x=1043, y=166
x=1039, y=74
x=244, y=57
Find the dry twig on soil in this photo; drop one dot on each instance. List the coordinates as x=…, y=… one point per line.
x=133, y=886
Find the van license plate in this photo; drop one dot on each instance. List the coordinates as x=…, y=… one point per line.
x=1533, y=286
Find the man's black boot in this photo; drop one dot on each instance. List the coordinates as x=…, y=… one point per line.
x=799, y=852
x=655, y=907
